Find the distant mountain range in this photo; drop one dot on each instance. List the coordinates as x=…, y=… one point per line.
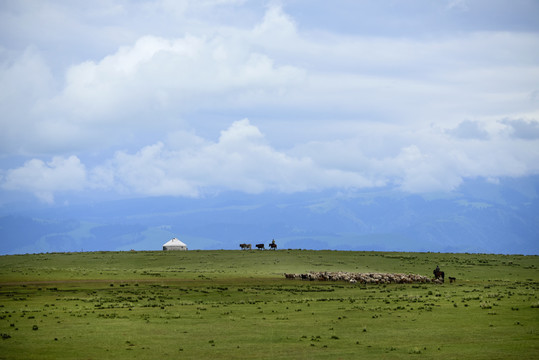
x=481, y=217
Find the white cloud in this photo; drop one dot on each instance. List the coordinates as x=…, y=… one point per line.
x=240, y=160
x=169, y=75
x=44, y=179
x=426, y=160
x=276, y=31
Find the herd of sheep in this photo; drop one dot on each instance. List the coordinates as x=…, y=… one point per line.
x=364, y=278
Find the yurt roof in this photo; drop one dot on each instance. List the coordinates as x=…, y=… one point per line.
x=174, y=242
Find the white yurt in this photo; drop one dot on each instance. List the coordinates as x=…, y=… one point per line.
x=174, y=244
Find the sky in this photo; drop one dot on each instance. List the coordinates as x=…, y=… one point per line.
x=126, y=99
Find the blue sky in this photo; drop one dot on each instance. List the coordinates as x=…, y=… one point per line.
x=128, y=99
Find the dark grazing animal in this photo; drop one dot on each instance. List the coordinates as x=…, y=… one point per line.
x=260, y=246
x=245, y=246
x=305, y=277
x=452, y=279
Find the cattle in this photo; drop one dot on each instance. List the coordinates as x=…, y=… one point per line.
x=452, y=279
x=260, y=246
x=245, y=246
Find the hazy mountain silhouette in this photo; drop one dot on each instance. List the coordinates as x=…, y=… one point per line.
x=479, y=217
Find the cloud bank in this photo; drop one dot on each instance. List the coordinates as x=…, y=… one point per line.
x=154, y=111
x=243, y=160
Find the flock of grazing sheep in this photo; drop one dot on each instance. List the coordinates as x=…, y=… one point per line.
x=364, y=278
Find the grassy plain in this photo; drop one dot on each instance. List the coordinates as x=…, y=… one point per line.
x=237, y=305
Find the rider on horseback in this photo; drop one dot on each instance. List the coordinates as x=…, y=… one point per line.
x=438, y=274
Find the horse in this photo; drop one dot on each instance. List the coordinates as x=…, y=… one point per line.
x=439, y=275
x=245, y=246
x=260, y=246
x=273, y=246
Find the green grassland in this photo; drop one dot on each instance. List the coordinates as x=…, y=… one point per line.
x=238, y=305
